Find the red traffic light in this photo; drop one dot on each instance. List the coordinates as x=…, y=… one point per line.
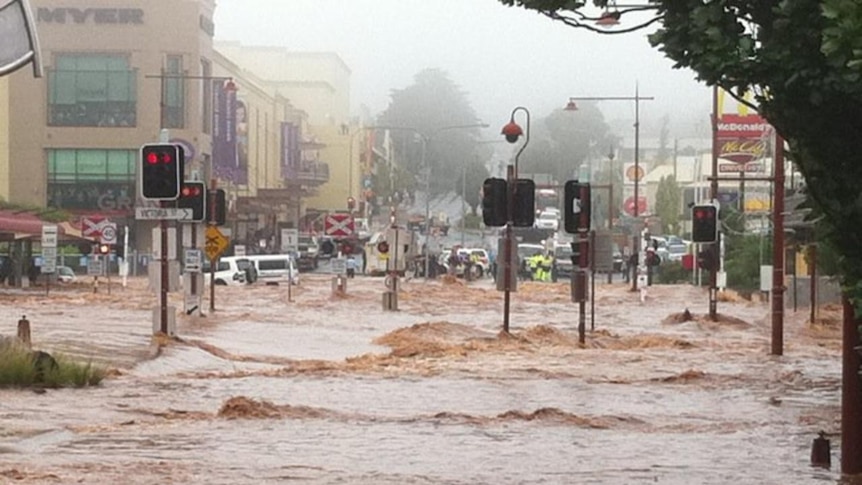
x=191, y=191
x=704, y=213
x=383, y=247
x=104, y=248
x=152, y=158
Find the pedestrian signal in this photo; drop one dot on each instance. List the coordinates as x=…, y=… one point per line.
x=577, y=207
x=525, y=203
x=494, y=202
x=216, y=208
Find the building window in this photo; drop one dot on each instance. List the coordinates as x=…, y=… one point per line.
x=92, y=90
x=174, y=93
x=206, y=97
x=101, y=180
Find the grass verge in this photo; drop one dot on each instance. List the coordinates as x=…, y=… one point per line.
x=19, y=369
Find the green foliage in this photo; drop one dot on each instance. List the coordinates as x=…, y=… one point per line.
x=435, y=107
x=17, y=370
x=803, y=61
x=742, y=260
x=472, y=221
x=667, y=204
x=560, y=143
x=672, y=272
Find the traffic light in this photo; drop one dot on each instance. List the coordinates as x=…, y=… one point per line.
x=383, y=247
x=351, y=203
x=576, y=207
x=707, y=258
x=576, y=253
x=193, y=195
x=161, y=171
x=704, y=223
x=216, y=208
x=525, y=203
x=494, y=202
x=103, y=249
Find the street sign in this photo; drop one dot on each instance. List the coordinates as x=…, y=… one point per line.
x=94, y=266
x=49, y=235
x=92, y=226
x=338, y=265
x=160, y=213
x=289, y=240
x=216, y=243
x=109, y=233
x=192, y=260
x=239, y=250
x=338, y=225
x=49, y=260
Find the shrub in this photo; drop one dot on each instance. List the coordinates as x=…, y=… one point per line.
x=17, y=369
x=672, y=272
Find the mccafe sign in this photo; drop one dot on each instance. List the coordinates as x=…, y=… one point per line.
x=99, y=16
x=742, y=138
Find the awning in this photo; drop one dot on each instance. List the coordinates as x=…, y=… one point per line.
x=26, y=225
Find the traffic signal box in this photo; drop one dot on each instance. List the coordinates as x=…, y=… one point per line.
x=707, y=258
x=576, y=207
x=193, y=195
x=704, y=223
x=216, y=208
x=161, y=169
x=495, y=198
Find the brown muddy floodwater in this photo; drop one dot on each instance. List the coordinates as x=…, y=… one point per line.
x=327, y=389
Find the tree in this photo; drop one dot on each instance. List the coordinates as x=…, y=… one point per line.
x=668, y=201
x=803, y=61
x=431, y=106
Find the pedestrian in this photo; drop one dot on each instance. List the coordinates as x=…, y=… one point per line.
x=351, y=266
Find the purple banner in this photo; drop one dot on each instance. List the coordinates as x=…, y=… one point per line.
x=290, y=152
x=230, y=136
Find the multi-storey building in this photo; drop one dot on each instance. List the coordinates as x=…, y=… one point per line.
x=117, y=76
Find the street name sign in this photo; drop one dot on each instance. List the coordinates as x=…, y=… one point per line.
x=162, y=213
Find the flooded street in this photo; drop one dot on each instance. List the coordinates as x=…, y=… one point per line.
x=325, y=389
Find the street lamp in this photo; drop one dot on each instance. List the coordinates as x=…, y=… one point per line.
x=637, y=98
x=513, y=132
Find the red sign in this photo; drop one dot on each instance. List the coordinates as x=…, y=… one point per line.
x=92, y=226
x=629, y=205
x=742, y=138
x=338, y=225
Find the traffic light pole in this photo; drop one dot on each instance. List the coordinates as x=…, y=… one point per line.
x=507, y=261
x=163, y=287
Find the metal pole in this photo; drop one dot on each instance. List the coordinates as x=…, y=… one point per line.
x=126, y=256
x=463, y=202
x=507, y=264
x=593, y=280
x=427, y=206
x=812, y=276
x=851, y=405
x=163, y=288
x=713, y=195
x=636, y=237
x=214, y=261
x=778, y=251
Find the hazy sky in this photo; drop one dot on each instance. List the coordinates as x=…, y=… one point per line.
x=501, y=57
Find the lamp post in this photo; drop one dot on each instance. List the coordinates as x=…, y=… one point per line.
x=513, y=132
x=637, y=98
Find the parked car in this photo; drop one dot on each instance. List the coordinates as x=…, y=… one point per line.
x=548, y=220
x=66, y=275
x=275, y=267
x=309, y=249
x=227, y=273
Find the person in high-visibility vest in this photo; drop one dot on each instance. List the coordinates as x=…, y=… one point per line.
x=547, y=264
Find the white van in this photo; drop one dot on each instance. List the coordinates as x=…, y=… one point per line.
x=227, y=272
x=275, y=267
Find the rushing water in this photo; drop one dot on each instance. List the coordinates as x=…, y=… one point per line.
x=325, y=389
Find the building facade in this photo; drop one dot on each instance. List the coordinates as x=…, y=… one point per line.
x=119, y=75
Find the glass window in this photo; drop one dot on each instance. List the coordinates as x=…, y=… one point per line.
x=174, y=93
x=92, y=90
x=91, y=179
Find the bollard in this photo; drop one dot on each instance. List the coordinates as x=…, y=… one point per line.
x=24, y=331
x=390, y=301
x=821, y=455
x=339, y=285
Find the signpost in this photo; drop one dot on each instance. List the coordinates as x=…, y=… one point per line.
x=162, y=214
x=339, y=225
x=49, y=252
x=289, y=240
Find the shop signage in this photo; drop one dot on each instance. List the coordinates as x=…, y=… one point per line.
x=94, y=15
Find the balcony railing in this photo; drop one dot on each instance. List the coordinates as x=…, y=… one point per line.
x=312, y=172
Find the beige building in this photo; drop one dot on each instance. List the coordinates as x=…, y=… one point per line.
x=117, y=74
x=319, y=85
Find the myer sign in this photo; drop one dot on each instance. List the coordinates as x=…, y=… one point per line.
x=92, y=15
